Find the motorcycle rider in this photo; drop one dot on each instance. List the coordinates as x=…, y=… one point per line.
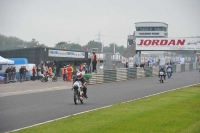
x=162, y=70
x=169, y=70
x=80, y=78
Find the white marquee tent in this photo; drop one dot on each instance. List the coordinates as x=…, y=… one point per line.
x=5, y=61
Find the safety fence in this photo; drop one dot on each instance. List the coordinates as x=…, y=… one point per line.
x=117, y=75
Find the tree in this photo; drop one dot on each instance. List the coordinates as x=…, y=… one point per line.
x=69, y=46
x=7, y=43
x=93, y=44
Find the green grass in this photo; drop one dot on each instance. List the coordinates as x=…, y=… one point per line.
x=172, y=112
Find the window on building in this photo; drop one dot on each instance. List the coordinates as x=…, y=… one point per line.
x=138, y=29
x=0, y=67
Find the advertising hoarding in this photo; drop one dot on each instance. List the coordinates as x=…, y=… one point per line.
x=69, y=54
x=131, y=62
x=167, y=44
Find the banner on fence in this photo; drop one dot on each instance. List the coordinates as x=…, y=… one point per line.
x=142, y=59
x=150, y=61
x=124, y=60
x=130, y=62
x=137, y=59
x=162, y=61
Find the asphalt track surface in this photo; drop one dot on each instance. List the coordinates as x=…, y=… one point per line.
x=23, y=110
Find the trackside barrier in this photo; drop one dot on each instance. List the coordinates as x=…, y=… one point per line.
x=97, y=78
x=190, y=66
x=117, y=75
x=194, y=65
x=140, y=72
x=178, y=68
x=187, y=67
x=155, y=70
x=182, y=67
x=174, y=68
x=121, y=74
x=148, y=71
x=131, y=73
x=109, y=75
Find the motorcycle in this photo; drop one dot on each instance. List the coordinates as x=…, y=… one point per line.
x=161, y=75
x=78, y=92
x=47, y=77
x=169, y=74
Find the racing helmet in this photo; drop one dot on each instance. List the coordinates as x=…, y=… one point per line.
x=79, y=75
x=162, y=68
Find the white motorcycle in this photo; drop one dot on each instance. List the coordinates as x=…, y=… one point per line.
x=78, y=92
x=161, y=75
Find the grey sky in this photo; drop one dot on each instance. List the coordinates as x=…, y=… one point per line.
x=52, y=21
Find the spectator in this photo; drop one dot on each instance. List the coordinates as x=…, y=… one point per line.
x=142, y=66
x=44, y=68
x=25, y=71
x=6, y=75
x=126, y=64
x=69, y=73
x=63, y=73
x=94, y=62
x=13, y=73
x=38, y=72
x=34, y=73
x=57, y=70
x=54, y=69
x=21, y=73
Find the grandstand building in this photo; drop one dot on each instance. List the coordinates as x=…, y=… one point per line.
x=146, y=30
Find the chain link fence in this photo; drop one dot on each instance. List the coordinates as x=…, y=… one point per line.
x=117, y=60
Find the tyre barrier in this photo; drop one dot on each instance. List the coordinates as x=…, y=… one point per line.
x=122, y=74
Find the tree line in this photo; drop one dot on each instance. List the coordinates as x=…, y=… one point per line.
x=8, y=43
x=89, y=45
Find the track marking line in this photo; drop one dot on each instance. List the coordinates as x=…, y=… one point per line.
x=33, y=91
x=99, y=108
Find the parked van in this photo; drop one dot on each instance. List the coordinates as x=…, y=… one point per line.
x=18, y=62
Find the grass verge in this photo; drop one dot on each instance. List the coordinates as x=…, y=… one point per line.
x=172, y=112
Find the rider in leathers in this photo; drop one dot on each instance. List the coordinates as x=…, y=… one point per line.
x=169, y=70
x=80, y=78
x=162, y=70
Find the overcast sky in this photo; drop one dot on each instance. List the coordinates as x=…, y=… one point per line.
x=52, y=21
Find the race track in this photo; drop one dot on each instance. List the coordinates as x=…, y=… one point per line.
x=23, y=110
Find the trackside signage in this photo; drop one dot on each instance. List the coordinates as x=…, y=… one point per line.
x=69, y=54
x=167, y=43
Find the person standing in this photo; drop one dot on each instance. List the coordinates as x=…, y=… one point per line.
x=6, y=75
x=63, y=73
x=13, y=73
x=66, y=73
x=57, y=70
x=38, y=72
x=21, y=73
x=34, y=73
x=44, y=68
x=69, y=73
x=54, y=69
x=25, y=71
x=126, y=64
x=94, y=62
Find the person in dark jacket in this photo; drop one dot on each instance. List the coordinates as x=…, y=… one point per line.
x=142, y=66
x=13, y=71
x=94, y=62
x=21, y=73
x=6, y=75
x=57, y=70
x=126, y=64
